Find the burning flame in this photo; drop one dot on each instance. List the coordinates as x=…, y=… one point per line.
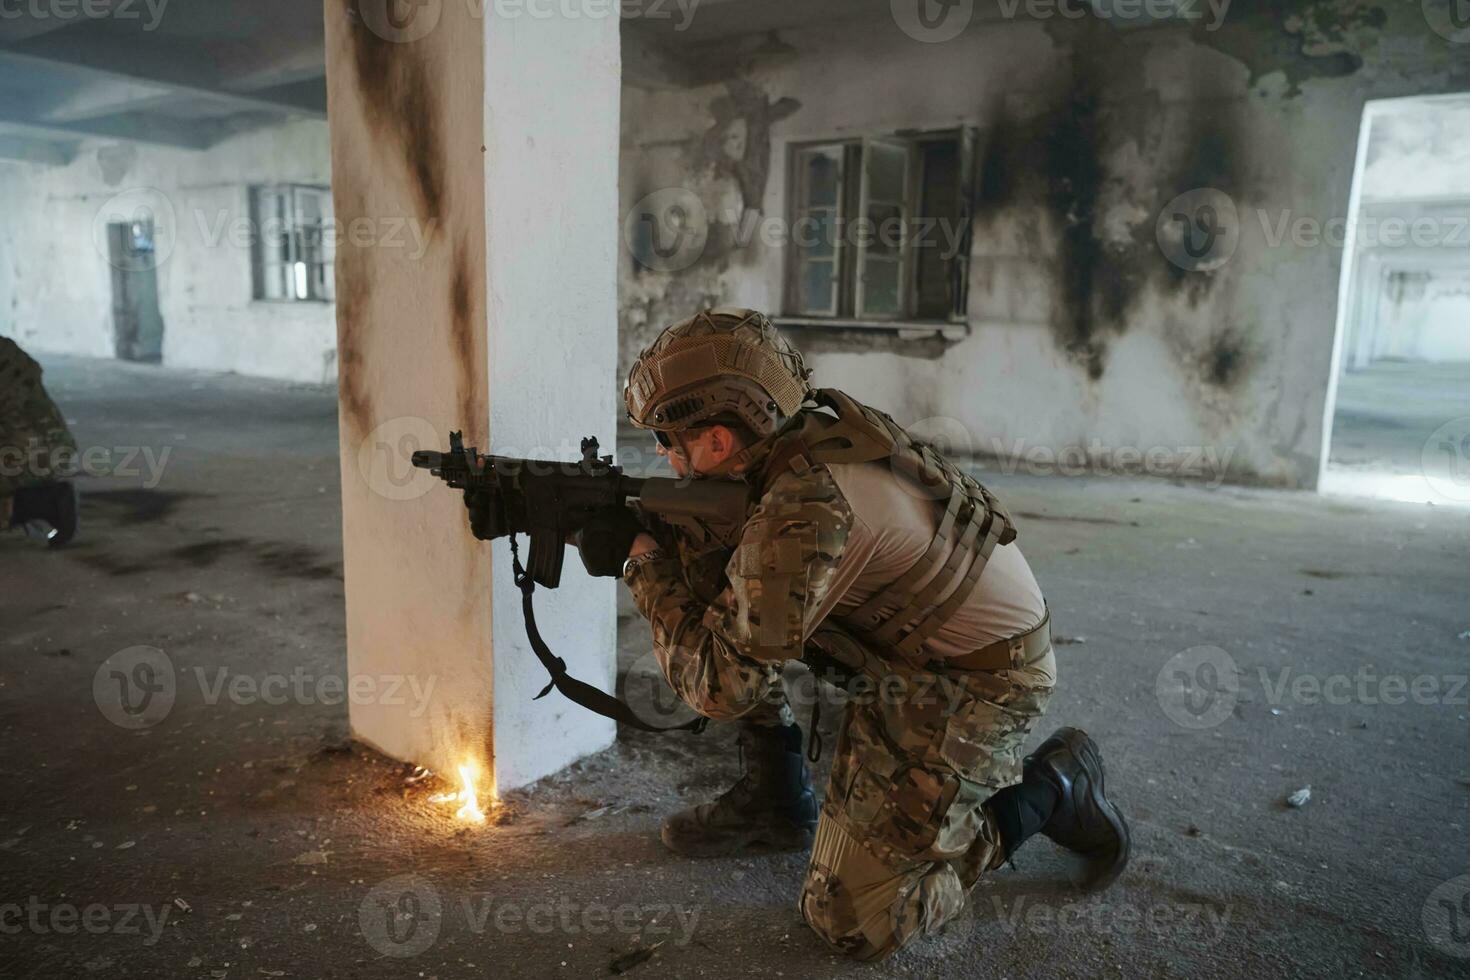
x=467, y=798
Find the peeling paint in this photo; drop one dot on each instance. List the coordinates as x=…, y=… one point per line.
x=1302, y=41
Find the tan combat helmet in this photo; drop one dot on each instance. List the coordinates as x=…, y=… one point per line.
x=718, y=364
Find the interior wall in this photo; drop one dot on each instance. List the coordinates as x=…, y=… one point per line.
x=1082, y=332
x=55, y=280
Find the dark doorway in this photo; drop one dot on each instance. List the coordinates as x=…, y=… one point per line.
x=137, y=324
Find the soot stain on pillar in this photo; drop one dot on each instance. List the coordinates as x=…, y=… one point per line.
x=354, y=298
x=398, y=100
x=464, y=338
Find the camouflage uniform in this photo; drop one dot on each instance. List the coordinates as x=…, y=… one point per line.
x=902, y=834
x=35, y=444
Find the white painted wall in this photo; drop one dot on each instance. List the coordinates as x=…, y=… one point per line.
x=501, y=133
x=551, y=185
x=55, y=282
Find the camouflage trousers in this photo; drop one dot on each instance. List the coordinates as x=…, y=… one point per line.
x=903, y=834
x=35, y=444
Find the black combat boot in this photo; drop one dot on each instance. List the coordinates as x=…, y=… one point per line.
x=772, y=805
x=1082, y=820
x=55, y=503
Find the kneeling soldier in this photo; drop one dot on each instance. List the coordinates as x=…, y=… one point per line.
x=865, y=547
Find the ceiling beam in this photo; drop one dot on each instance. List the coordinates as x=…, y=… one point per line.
x=126, y=126
x=26, y=150
x=88, y=61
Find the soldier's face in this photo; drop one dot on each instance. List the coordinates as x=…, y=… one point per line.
x=700, y=451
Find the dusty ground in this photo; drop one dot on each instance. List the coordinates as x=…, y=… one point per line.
x=1387, y=412
x=244, y=839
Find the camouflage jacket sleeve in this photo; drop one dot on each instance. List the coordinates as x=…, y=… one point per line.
x=722, y=658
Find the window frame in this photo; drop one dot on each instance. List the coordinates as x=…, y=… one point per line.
x=849, y=312
x=293, y=237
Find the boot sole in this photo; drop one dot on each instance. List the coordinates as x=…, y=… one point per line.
x=764, y=840
x=1080, y=744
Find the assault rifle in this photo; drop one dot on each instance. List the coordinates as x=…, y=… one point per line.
x=550, y=501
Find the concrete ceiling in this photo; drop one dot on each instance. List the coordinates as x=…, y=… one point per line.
x=189, y=72
x=156, y=71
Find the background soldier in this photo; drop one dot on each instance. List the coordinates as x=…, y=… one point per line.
x=35, y=448
x=866, y=547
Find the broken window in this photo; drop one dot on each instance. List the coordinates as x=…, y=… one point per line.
x=880, y=228
x=293, y=244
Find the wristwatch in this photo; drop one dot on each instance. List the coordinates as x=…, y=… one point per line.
x=652, y=554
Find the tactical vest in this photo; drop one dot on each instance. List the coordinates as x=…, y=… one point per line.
x=911, y=609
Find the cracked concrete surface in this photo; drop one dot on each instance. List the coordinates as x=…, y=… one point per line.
x=243, y=838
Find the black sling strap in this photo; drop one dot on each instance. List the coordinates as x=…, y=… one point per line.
x=579, y=692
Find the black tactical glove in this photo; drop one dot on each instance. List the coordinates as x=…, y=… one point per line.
x=605, y=541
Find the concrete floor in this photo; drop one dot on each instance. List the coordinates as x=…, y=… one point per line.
x=244, y=839
x=1395, y=426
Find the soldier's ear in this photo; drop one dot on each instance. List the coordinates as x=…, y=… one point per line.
x=723, y=441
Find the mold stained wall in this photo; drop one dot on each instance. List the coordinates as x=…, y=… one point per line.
x=412, y=366
x=501, y=135
x=55, y=281
x=1083, y=333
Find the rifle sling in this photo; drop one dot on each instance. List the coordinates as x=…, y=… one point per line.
x=579, y=692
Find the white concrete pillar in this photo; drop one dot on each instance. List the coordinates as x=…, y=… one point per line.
x=474, y=163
